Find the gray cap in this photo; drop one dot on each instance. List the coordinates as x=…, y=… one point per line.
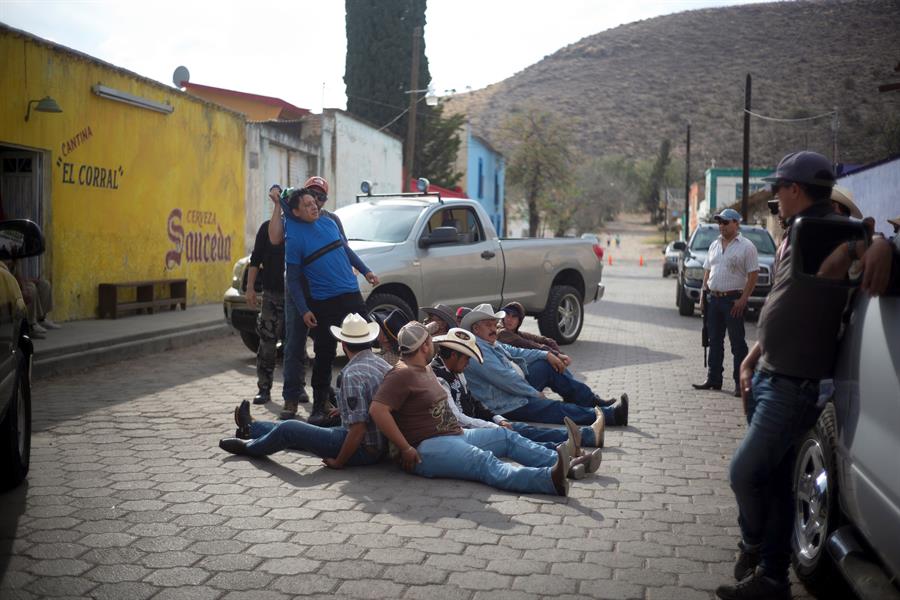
x=411, y=337
x=804, y=167
x=729, y=214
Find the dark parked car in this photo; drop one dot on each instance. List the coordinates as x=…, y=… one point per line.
x=690, y=268
x=18, y=239
x=672, y=258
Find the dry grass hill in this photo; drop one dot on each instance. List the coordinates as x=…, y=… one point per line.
x=627, y=88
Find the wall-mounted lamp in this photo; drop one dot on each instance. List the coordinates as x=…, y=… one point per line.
x=45, y=104
x=120, y=96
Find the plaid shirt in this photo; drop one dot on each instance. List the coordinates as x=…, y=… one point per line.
x=358, y=383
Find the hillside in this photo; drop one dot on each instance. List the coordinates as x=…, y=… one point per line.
x=627, y=88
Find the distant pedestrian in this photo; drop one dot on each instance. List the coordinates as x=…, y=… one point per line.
x=269, y=258
x=608, y=241
x=729, y=276
x=618, y=240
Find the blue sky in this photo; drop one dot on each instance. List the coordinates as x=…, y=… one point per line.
x=295, y=50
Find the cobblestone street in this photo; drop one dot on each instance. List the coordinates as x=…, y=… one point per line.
x=130, y=497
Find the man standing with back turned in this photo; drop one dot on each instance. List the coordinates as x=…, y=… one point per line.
x=729, y=276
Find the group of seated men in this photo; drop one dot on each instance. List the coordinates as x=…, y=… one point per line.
x=452, y=405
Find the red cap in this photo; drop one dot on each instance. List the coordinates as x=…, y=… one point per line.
x=317, y=182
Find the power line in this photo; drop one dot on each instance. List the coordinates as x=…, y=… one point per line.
x=778, y=120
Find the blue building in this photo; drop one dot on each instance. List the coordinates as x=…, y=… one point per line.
x=484, y=173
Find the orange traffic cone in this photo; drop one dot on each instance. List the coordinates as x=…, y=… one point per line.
x=610, y=260
x=641, y=263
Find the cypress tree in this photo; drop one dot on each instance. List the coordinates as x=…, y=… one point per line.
x=377, y=75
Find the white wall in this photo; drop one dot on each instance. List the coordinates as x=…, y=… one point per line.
x=355, y=151
x=876, y=192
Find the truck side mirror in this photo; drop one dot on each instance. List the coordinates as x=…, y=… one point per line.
x=439, y=235
x=826, y=251
x=679, y=245
x=20, y=238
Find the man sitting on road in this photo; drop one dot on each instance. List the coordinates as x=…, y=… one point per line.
x=357, y=441
x=511, y=379
x=411, y=409
x=455, y=349
x=440, y=319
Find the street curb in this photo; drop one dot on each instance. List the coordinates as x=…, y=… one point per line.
x=71, y=360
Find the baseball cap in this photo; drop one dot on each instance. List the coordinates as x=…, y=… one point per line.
x=411, y=337
x=804, y=167
x=729, y=214
x=317, y=182
x=273, y=186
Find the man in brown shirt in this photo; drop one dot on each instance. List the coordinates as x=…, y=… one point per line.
x=410, y=408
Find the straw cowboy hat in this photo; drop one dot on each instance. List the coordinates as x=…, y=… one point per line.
x=482, y=312
x=355, y=330
x=462, y=341
x=845, y=198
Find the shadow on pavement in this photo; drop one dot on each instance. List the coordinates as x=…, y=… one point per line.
x=14, y=503
x=610, y=356
x=651, y=315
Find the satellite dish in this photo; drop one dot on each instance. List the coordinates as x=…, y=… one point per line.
x=180, y=77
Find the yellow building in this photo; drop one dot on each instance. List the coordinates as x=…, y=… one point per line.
x=133, y=180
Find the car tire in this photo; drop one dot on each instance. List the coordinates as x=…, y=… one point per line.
x=251, y=340
x=564, y=316
x=685, y=304
x=15, y=431
x=817, y=513
x=389, y=302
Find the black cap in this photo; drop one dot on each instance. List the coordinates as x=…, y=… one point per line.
x=804, y=167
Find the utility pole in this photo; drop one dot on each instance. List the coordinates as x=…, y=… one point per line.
x=687, y=184
x=411, y=116
x=745, y=193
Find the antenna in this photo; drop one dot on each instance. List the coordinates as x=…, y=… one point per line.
x=181, y=76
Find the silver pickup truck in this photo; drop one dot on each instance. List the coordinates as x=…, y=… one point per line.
x=426, y=250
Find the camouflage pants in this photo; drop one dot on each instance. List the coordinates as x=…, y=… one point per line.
x=270, y=328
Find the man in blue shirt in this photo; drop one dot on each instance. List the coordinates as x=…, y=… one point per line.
x=316, y=250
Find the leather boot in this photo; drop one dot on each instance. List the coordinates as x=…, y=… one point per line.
x=320, y=409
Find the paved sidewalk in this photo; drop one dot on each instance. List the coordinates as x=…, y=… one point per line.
x=130, y=497
x=79, y=345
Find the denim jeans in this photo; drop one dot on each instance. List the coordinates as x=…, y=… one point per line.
x=551, y=437
x=718, y=320
x=779, y=411
x=294, y=367
x=475, y=456
x=543, y=410
x=330, y=312
x=541, y=374
x=325, y=442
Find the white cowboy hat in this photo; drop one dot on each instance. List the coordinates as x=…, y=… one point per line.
x=462, y=341
x=482, y=312
x=845, y=198
x=355, y=330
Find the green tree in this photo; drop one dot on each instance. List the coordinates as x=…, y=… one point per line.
x=650, y=194
x=540, y=166
x=377, y=75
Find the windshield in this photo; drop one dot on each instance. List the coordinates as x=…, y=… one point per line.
x=378, y=222
x=760, y=238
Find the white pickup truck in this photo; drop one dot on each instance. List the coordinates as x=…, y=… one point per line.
x=426, y=250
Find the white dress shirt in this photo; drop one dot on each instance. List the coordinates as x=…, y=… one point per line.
x=728, y=269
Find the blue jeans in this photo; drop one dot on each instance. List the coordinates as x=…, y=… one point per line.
x=718, y=320
x=780, y=410
x=294, y=368
x=541, y=374
x=325, y=442
x=551, y=437
x=475, y=456
x=543, y=410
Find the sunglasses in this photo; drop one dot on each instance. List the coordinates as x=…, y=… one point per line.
x=783, y=183
x=319, y=196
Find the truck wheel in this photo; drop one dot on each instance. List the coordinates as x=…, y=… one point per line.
x=564, y=315
x=816, y=512
x=251, y=340
x=15, y=432
x=388, y=302
x=685, y=304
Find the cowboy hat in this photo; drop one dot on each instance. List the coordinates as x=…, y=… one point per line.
x=845, y=198
x=442, y=312
x=482, y=312
x=355, y=330
x=461, y=341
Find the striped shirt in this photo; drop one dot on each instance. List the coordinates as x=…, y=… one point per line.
x=728, y=269
x=358, y=383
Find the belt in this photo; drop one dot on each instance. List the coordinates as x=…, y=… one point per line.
x=801, y=381
x=725, y=294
